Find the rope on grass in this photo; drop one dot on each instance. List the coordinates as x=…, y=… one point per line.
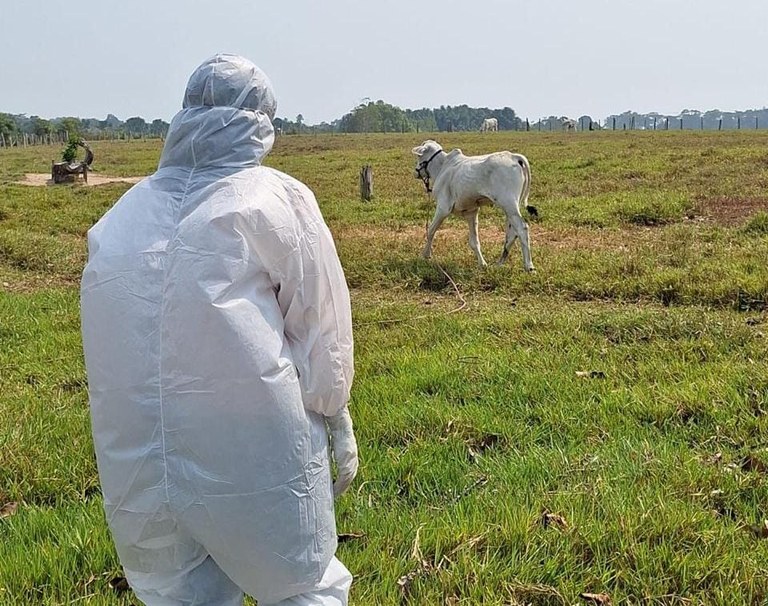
x=455, y=288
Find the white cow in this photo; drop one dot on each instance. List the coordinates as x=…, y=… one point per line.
x=569, y=124
x=489, y=125
x=462, y=184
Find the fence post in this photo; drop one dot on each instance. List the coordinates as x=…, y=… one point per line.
x=366, y=183
x=738, y=122
x=720, y=124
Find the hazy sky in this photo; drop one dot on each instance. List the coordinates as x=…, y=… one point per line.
x=87, y=58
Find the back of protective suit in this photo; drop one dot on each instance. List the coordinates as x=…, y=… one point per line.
x=212, y=357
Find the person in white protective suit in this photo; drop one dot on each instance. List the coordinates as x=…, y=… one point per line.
x=218, y=345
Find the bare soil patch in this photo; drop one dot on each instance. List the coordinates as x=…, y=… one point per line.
x=456, y=233
x=42, y=179
x=729, y=210
x=26, y=283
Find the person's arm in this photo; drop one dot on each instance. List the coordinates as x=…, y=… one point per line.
x=314, y=299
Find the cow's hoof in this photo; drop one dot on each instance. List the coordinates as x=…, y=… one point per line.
x=531, y=269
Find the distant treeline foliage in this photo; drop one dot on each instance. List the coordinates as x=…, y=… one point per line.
x=381, y=117
x=18, y=128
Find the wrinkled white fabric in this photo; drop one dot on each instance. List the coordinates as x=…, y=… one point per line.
x=343, y=449
x=230, y=81
x=217, y=334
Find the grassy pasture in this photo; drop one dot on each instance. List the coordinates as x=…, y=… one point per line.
x=599, y=426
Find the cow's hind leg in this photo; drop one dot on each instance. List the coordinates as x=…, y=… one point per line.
x=517, y=228
x=510, y=236
x=474, y=239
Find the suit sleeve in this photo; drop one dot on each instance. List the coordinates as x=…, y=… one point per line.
x=314, y=299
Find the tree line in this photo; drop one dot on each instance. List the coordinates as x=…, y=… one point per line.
x=378, y=117
x=13, y=127
x=381, y=117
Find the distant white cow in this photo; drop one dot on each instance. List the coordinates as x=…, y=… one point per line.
x=489, y=125
x=569, y=124
x=462, y=184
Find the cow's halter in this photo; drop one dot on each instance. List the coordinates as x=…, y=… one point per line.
x=422, y=171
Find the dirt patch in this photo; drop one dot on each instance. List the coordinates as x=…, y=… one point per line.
x=31, y=283
x=456, y=234
x=42, y=179
x=728, y=210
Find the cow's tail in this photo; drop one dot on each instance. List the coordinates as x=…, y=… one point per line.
x=526, y=168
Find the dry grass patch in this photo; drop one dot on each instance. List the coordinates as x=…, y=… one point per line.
x=456, y=233
x=730, y=210
x=26, y=283
x=44, y=179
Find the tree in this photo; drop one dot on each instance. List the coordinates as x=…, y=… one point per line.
x=508, y=119
x=7, y=125
x=422, y=120
x=41, y=127
x=158, y=128
x=378, y=117
x=70, y=151
x=136, y=125
x=70, y=126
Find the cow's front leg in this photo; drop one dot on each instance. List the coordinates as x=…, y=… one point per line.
x=437, y=220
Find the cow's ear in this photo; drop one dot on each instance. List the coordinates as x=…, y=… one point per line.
x=418, y=150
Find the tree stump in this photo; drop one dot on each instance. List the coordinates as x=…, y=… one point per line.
x=366, y=183
x=65, y=172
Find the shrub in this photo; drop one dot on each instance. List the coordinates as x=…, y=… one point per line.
x=70, y=151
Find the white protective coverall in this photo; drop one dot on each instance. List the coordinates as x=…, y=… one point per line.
x=218, y=342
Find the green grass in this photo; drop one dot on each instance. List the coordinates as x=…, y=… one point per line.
x=624, y=386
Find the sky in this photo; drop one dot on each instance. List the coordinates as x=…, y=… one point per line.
x=88, y=58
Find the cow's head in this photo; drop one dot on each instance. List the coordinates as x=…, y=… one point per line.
x=426, y=152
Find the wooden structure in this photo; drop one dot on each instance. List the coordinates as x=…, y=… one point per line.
x=66, y=172
x=366, y=183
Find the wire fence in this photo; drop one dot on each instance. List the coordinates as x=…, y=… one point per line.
x=17, y=139
x=687, y=123
x=585, y=123
x=730, y=122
